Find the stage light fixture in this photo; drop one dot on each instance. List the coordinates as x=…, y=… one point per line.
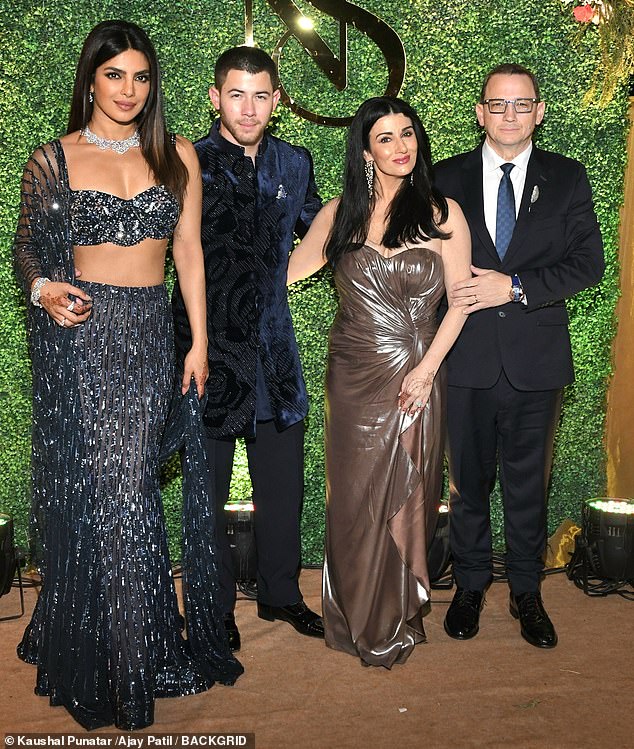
x=609, y=527
x=10, y=562
x=241, y=534
x=603, y=561
x=7, y=554
x=439, y=553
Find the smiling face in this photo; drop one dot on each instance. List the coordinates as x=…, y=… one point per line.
x=245, y=103
x=393, y=146
x=510, y=133
x=121, y=87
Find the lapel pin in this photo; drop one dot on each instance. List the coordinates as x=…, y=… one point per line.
x=534, y=197
x=281, y=193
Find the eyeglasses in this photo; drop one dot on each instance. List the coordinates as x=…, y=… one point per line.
x=521, y=106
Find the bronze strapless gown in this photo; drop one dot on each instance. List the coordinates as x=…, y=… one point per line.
x=383, y=467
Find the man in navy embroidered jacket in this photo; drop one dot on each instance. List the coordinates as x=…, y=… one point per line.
x=535, y=242
x=258, y=191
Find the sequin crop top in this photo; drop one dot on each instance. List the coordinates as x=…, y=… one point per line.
x=98, y=217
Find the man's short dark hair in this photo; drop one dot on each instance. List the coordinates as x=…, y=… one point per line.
x=509, y=68
x=251, y=59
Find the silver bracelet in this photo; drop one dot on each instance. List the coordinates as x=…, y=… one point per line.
x=36, y=290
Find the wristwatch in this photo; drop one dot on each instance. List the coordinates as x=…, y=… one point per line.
x=36, y=290
x=516, y=294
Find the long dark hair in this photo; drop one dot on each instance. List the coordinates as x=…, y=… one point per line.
x=107, y=40
x=411, y=213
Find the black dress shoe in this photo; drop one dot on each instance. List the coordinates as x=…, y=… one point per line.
x=233, y=634
x=535, y=625
x=462, y=620
x=305, y=621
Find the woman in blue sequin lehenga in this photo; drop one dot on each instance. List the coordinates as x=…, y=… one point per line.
x=98, y=208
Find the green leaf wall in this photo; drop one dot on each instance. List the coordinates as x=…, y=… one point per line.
x=450, y=44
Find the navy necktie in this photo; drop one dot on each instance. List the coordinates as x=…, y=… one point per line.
x=505, y=217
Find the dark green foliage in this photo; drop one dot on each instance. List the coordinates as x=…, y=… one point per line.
x=450, y=44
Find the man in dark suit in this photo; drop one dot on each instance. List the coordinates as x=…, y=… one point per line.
x=258, y=191
x=535, y=242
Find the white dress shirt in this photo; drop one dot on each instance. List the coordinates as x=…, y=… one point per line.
x=491, y=176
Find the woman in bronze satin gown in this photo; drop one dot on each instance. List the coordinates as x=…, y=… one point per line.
x=394, y=244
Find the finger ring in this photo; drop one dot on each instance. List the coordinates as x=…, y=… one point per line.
x=418, y=404
x=71, y=306
x=62, y=322
x=475, y=296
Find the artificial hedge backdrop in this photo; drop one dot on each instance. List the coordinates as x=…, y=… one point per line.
x=450, y=44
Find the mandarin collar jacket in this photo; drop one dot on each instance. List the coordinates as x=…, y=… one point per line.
x=250, y=214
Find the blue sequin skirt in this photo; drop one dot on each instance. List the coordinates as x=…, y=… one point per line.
x=106, y=630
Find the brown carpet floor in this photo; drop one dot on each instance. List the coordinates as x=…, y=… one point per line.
x=492, y=691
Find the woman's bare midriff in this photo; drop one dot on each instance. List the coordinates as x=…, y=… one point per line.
x=141, y=264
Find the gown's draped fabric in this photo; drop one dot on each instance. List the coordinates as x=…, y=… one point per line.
x=383, y=468
x=106, y=630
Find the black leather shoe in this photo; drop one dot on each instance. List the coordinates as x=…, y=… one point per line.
x=305, y=621
x=233, y=634
x=535, y=625
x=462, y=620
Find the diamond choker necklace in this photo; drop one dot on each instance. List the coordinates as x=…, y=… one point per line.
x=118, y=146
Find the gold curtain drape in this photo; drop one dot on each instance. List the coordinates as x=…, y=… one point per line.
x=620, y=412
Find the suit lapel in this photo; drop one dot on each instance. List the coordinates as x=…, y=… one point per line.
x=535, y=178
x=473, y=200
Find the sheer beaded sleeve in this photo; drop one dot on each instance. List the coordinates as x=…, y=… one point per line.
x=42, y=240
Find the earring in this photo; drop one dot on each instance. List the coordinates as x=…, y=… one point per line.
x=91, y=97
x=369, y=176
x=411, y=178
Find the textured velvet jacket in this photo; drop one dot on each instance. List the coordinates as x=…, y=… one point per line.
x=555, y=249
x=250, y=214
